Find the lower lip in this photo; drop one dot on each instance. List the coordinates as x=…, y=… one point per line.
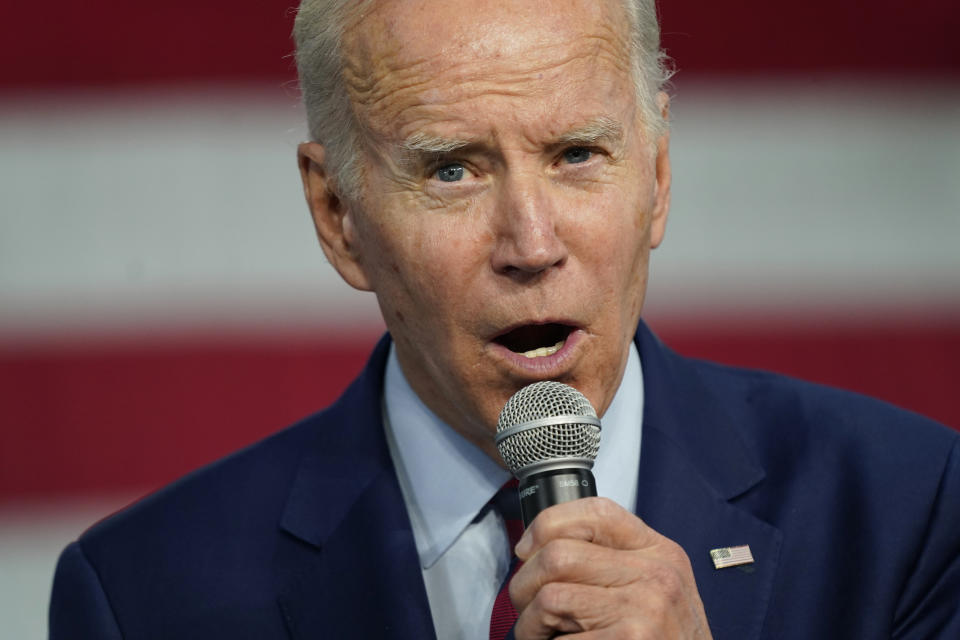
x=543, y=367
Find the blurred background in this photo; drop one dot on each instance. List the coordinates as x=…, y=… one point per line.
x=163, y=300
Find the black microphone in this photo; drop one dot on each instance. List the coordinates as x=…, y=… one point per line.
x=548, y=435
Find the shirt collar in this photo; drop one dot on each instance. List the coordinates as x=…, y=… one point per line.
x=446, y=480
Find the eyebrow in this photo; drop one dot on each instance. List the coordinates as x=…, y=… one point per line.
x=421, y=148
x=599, y=130
x=422, y=144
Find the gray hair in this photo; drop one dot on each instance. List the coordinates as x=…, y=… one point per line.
x=318, y=31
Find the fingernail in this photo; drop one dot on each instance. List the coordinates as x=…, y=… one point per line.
x=524, y=545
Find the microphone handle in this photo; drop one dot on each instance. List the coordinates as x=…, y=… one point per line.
x=541, y=490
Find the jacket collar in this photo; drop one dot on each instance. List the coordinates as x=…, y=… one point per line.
x=693, y=465
x=682, y=407
x=349, y=567
x=348, y=454
x=679, y=405
x=352, y=570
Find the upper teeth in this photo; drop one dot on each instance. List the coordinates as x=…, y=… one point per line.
x=544, y=351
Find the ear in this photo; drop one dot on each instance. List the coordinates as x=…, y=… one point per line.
x=661, y=204
x=332, y=216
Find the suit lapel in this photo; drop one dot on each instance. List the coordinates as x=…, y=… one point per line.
x=349, y=567
x=693, y=466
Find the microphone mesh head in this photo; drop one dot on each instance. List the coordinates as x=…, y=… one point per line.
x=575, y=439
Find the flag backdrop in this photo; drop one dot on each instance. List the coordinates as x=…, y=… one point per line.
x=163, y=300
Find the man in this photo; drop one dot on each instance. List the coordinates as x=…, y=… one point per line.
x=497, y=173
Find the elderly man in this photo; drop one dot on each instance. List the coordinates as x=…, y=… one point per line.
x=497, y=174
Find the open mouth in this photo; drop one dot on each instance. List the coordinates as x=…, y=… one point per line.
x=536, y=340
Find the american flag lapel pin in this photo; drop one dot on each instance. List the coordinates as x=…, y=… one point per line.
x=731, y=556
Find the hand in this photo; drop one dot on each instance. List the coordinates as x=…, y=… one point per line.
x=593, y=569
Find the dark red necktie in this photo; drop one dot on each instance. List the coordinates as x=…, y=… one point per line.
x=507, y=503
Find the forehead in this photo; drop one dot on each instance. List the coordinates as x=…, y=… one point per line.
x=411, y=62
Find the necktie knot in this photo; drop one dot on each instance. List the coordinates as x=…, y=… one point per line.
x=507, y=504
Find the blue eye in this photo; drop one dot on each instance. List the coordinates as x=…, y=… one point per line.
x=450, y=173
x=575, y=155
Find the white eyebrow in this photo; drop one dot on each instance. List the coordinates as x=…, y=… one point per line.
x=595, y=131
x=423, y=143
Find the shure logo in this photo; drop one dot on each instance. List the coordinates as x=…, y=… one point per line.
x=529, y=491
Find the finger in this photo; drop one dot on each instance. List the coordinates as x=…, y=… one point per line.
x=576, y=561
x=664, y=570
x=594, y=612
x=589, y=611
x=597, y=520
x=554, y=611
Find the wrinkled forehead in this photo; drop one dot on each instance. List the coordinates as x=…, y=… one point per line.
x=486, y=28
x=411, y=41
x=428, y=37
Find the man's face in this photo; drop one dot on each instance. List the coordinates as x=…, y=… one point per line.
x=510, y=197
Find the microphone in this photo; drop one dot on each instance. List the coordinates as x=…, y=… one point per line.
x=548, y=435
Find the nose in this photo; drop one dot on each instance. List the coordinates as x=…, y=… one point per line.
x=527, y=235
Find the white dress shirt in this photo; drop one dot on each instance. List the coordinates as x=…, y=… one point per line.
x=446, y=482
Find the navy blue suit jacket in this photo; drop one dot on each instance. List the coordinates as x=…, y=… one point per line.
x=850, y=507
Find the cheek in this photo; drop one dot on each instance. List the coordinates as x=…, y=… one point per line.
x=615, y=234
x=618, y=247
x=421, y=269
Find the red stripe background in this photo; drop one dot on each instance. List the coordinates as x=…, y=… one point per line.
x=104, y=415
x=109, y=42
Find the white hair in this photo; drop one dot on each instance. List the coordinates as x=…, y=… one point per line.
x=318, y=31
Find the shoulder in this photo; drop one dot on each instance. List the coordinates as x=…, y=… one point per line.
x=216, y=540
x=864, y=497
x=235, y=498
x=776, y=410
x=204, y=543
x=812, y=441
x=242, y=495
x=875, y=489
x=838, y=457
